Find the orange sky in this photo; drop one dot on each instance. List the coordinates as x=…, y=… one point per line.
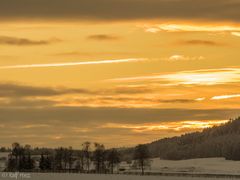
x=71, y=75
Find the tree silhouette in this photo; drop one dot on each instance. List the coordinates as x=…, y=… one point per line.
x=87, y=154
x=141, y=157
x=42, y=161
x=20, y=158
x=59, y=155
x=45, y=163
x=113, y=158
x=99, y=158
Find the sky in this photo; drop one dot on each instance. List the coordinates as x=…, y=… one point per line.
x=117, y=72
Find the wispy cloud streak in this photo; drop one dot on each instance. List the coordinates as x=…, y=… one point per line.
x=233, y=30
x=225, y=97
x=190, y=28
x=197, y=77
x=72, y=63
x=172, y=126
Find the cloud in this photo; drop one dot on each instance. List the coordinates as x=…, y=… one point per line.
x=87, y=115
x=17, y=90
x=173, y=28
x=178, y=101
x=21, y=90
x=225, y=97
x=25, y=96
x=190, y=28
x=184, y=58
x=200, y=42
x=140, y=101
x=217, y=10
x=30, y=126
x=20, y=102
x=200, y=99
x=113, y=61
x=103, y=37
x=128, y=90
x=236, y=34
x=170, y=94
x=6, y=40
x=166, y=126
x=197, y=77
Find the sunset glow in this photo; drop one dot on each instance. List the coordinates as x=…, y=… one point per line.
x=193, y=28
x=118, y=72
x=186, y=126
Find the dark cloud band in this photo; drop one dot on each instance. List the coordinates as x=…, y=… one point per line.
x=87, y=115
x=120, y=9
x=6, y=40
x=103, y=37
x=200, y=42
x=16, y=90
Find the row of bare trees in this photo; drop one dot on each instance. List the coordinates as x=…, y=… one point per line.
x=20, y=158
x=92, y=158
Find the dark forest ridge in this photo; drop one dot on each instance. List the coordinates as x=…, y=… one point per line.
x=219, y=141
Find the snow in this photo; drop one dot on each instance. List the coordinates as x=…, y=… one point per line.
x=192, y=166
x=3, y=159
x=199, y=166
x=54, y=176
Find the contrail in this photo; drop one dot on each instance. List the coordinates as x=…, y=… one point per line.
x=72, y=63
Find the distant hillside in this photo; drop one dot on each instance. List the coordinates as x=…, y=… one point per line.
x=221, y=141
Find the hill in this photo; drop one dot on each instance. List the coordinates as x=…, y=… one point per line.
x=221, y=141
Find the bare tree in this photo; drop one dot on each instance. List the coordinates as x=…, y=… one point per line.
x=141, y=157
x=16, y=152
x=113, y=158
x=20, y=158
x=80, y=161
x=59, y=156
x=99, y=158
x=70, y=157
x=87, y=154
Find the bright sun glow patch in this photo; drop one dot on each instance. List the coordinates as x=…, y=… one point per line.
x=197, y=77
x=200, y=99
x=176, y=57
x=225, y=97
x=233, y=30
x=169, y=126
x=184, y=58
x=236, y=34
x=189, y=79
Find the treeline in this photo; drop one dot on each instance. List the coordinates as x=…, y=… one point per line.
x=4, y=149
x=20, y=158
x=221, y=141
x=92, y=158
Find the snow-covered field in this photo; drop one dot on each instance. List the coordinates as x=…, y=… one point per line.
x=3, y=159
x=36, y=176
x=216, y=166
x=192, y=166
x=203, y=166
